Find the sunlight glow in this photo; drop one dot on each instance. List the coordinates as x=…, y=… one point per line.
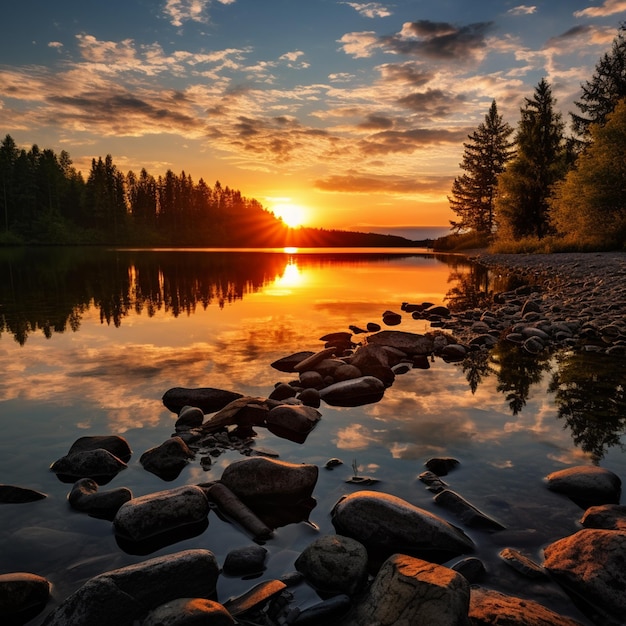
x=293, y=215
x=291, y=276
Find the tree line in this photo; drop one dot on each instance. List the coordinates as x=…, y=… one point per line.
x=541, y=189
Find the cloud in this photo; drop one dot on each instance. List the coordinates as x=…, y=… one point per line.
x=433, y=102
x=522, y=9
x=360, y=44
x=179, y=11
x=369, y=9
x=391, y=141
x=608, y=7
x=364, y=183
x=407, y=73
x=55, y=44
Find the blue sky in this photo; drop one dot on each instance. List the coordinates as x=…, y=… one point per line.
x=354, y=111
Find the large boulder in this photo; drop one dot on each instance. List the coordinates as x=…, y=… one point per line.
x=608, y=516
x=407, y=590
x=587, y=485
x=206, y=398
x=590, y=564
x=375, y=360
x=22, y=596
x=354, y=392
x=125, y=595
x=385, y=523
x=156, y=513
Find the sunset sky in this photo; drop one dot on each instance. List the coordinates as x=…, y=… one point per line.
x=355, y=112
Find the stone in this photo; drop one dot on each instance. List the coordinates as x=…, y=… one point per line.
x=116, y=445
x=262, y=480
x=326, y=612
x=472, y=568
x=96, y=464
x=372, y=327
x=466, y=512
x=11, y=494
x=282, y=391
x=85, y=497
x=253, y=598
x=207, y=399
x=521, y=563
x=189, y=612
x=432, y=481
x=311, y=379
x=310, y=397
x=608, y=516
x=489, y=607
x=373, y=360
x=391, y=318
x=156, y=513
x=245, y=561
x=386, y=523
x=168, y=459
x=590, y=564
x=297, y=419
x=334, y=564
x=347, y=371
x=288, y=363
x=453, y=352
x=243, y=411
x=310, y=362
x=22, y=596
x=587, y=485
x=189, y=417
x=441, y=465
x=354, y=392
x=407, y=590
x=125, y=595
x=410, y=343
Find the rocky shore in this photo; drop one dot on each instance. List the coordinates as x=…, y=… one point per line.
x=389, y=561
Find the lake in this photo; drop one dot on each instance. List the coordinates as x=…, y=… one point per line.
x=90, y=339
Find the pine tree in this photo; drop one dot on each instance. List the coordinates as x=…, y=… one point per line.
x=541, y=160
x=484, y=159
x=605, y=89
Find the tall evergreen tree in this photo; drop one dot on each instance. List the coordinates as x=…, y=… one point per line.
x=484, y=159
x=525, y=186
x=605, y=89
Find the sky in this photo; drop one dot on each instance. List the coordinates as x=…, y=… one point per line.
x=353, y=114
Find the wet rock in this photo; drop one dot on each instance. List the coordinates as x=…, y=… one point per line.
x=339, y=337
x=409, y=343
x=453, y=352
x=207, y=399
x=261, y=480
x=522, y=563
x=437, y=310
x=533, y=345
x=432, y=481
x=587, y=485
x=124, y=595
x=85, y=497
x=407, y=590
x=354, y=392
x=22, y=596
x=116, y=445
x=590, y=564
x=374, y=360
x=471, y=568
x=189, y=417
x=11, y=494
x=466, y=512
x=334, y=564
x=311, y=380
x=161, y=512
x=372, y=327
x=282, y=391
x=385, y=523
x=347, y=371
x=98, y=464
x=245, y=561
x=168, y=459
x=326, y=612
x=296, y=419
x=189, y=612
x=607, y=516
x=310, y=397
x=310, y=362
x=390, y=318
x=489, y=608
x=244, y=411
x=254, y=598
x=484, y=341
x=288, y=363
x=441, y=465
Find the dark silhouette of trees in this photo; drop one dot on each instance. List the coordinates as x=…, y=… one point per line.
x=473, y=193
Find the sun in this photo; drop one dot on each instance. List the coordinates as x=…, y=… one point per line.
x=293, y=215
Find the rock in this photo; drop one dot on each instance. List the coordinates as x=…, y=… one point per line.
x=310, y=362
x=410, y=343
x=590, y=564
x=608, y=516
x=390, y=318
x=261, y=480
x=310, y=397
x=116, y=445
x=347, y=371
x=438, y=310
x=282, y=391
x=373, y=360
x=207, y=399
x=22, y=596
x=407, y=590
x=441, y=465
x=472, y=568
x=295, y=420
x=334, y=564
x=533, y=345
x=466, y=512
x=586, y=485
x=11, y=494
x=189, y=417
x=432, y=481
x=354, y=392
x=522, y=563
x=385, y=523
x=453, y=352
x=156, y=513
x=372, y=327
x=85, y=497
x=489, y=607
x=251, y=599
x=326, y=612
x=245, y=561
x=124, y=595
x=311, y=380
x=189, y=612
x=244, y=411
x=340, y=337
x=98, y=464
x=288, y=363
x=168, y=459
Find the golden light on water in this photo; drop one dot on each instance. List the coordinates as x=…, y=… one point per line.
x=292, y=214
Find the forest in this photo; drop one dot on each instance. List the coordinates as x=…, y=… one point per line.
x=45, y=200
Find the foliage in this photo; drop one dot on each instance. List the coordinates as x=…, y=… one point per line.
x=461, y=241
x=590, y=203
x=473, y=194
x=541, y=160
x=605, y=89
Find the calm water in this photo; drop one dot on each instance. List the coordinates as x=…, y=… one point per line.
x=91, y=339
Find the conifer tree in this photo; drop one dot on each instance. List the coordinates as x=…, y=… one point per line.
x=541, y=160
x=605, y=89
x=473, y=193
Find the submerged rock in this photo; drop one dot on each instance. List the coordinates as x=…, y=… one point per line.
x=466, y=512
x=11, y=494
x=168, y=459
x=189, y=612
x=98, y=464
x=587, y=485
x=409, y=343
x=206, y=398
x=354, y=392
x=22, y=596
x=116, y=445
x=85, y=497
x=245, y=561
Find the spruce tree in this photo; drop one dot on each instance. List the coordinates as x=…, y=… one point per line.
x=541, y=160
x=605, y=89
x=473, y=193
